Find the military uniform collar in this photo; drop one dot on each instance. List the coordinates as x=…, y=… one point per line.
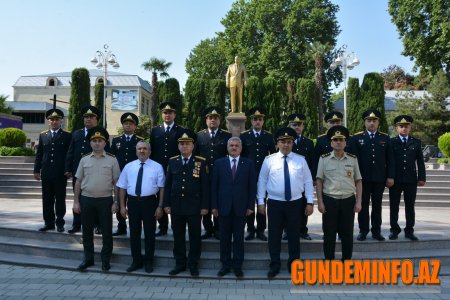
x=257, y=132
x=334, y=156
x=102, y=155
x=281, y=155
x=369, y=133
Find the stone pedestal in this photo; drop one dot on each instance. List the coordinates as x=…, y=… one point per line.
x=236, y=123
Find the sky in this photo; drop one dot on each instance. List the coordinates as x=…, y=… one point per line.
x=51, y=36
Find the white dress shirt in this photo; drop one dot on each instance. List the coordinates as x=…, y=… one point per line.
x=271, y=178
x=152, y=179
x=231, y=161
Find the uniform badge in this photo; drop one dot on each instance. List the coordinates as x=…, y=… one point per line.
x=361, y=142
x=349, y=173
x=118, y=145
x=196, y=170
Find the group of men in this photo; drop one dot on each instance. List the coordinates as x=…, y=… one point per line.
x=217, y=179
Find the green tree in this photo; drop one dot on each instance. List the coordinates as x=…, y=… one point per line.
x=354, y=111
x=424, y=27
x=272, y=100
x=290, y=87
x=4, y=108
x=439, y=87
x=195, y=97
x=156, y=66
x=207, y=60
x=79, y=97
x=306, y=103
x=254, y=92
x=170, y=91
x=143, y=129
x=372, y=96
x=98, y=100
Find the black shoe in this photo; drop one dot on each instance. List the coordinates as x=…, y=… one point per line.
x=250, y=236
x=261, y=236
x=411, y=236
x=217, y=235
x=378, y=237
x=106, y=266
x=206, y=235
x=238, y=272
x=134, y=266
x=161, y=233
x=361, y=236
x=148, y=267
x=222, y=272
x=60, y=228
x=74, y=229
x=98, y=230
x=85, y=264
x=177, y=270
x=272, y=273
x=285, y=238
x=194, y=271
x=47, y=227
x=393, y=236
x=305, y=236
x=120, y=232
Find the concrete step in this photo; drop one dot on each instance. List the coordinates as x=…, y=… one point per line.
x=28, y=195
x=17, y=159
x=16, y=171
x=16, y=165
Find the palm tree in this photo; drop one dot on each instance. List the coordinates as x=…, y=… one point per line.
x=318, y=51
x=156, y=66
x=4, y=106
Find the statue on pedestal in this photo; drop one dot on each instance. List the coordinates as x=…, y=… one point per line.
x=236, y=79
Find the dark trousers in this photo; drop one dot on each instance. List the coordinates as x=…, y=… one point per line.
x=371, y=191
x=54, y=200
x=93, y=209
x=409, y=194
x=303, y=217
x=76, y=217
x=339, y=218
x=232, y=237
x=163, y=222
x=210, y=223
x=121, y=221
x=281, y=213
x=142, y=212
x=179, y=236
x=261, y=223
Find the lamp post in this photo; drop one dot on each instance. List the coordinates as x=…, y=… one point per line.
x=347, y=61
x=101, y=61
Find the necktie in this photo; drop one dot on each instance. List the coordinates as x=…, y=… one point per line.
x=233, y=169
x=372, y=136
x=139, y=180
x=53, y=135
x=297, y=141
x=287, y=181
x=128, y=138
x=185, y=161
x=257, y=135
x=404, y=141
x=213, y=135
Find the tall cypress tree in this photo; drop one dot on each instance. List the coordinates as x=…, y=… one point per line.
x=272, y=103
x=79, y=97
x=372, y=95
x=306, y=104
x=354, y=102
x=98, y=100
x=194, y=95
x=169, y=90
x=216, y=91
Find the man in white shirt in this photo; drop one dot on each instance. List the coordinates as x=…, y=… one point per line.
x=284, y=176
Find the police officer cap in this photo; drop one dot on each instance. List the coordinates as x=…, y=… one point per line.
x=403, y=119
x=129, y=117
x=212, y=111
x=371, y=114
x=256, y=112
x=90, y=110
x=333, y=116
x=285, y=133
x=296, y=118
x=168, y=106
x=98, y=132
x=187, y=135
x=54, y=113
x=338, y=132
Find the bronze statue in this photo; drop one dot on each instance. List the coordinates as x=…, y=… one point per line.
x=236, y=79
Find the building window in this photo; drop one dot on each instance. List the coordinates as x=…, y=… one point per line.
x=31, y=117
x=51, y=82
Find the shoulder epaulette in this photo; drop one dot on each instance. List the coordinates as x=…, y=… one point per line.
x=200, y=157
x=224, y=130
x=87, y=154
x=351, y=155
x=139, y=137
x=360, y=132
x=322, y=135
x=326, y=154
x=267, y=132
x=179, y=126
x=174, y=157
x=65, y=130
x=246, y=131
x=107, y=153
x=44, y=131
x=382, y=133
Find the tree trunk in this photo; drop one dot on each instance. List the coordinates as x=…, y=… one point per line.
x=319, y=92
x=153, y=99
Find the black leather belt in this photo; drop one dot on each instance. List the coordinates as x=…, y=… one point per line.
x=142, y=198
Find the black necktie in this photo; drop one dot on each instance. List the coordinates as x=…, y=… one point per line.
x=287, y=181
x=372, y=136
x=213, y=135
x=404, y=141
x=139, y=180
x=53, y=135
x=185, y=161
x=168, y=129
x=257, y=135
x=128, y=138
x=233, y=169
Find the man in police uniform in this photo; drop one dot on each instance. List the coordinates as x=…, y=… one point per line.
x=256, y=145
x=212, y=144
x=303, y=146
x=80, y=146
x=376, y=163
x=338, y=179
x=408, y=154
x=186, y=199
x=124, y=148
x=164, y=145
x=49, y=167
x=95, y=189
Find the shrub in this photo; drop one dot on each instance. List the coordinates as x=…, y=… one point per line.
x=443, y=161
x=444, y=144
x=12, y=137
x=16, y=151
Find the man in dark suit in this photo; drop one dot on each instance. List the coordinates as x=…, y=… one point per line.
x=124, y=148
x=305, y=147
x=376, y=163
x=164, y=144
x=233, y=194
x=408, y=154
x=256, y=145
x=80, y=146
x=186, y=199
x=212, y=145
x=49, y=167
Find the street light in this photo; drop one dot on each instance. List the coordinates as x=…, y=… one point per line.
x=347, y=61
x=101, y=61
